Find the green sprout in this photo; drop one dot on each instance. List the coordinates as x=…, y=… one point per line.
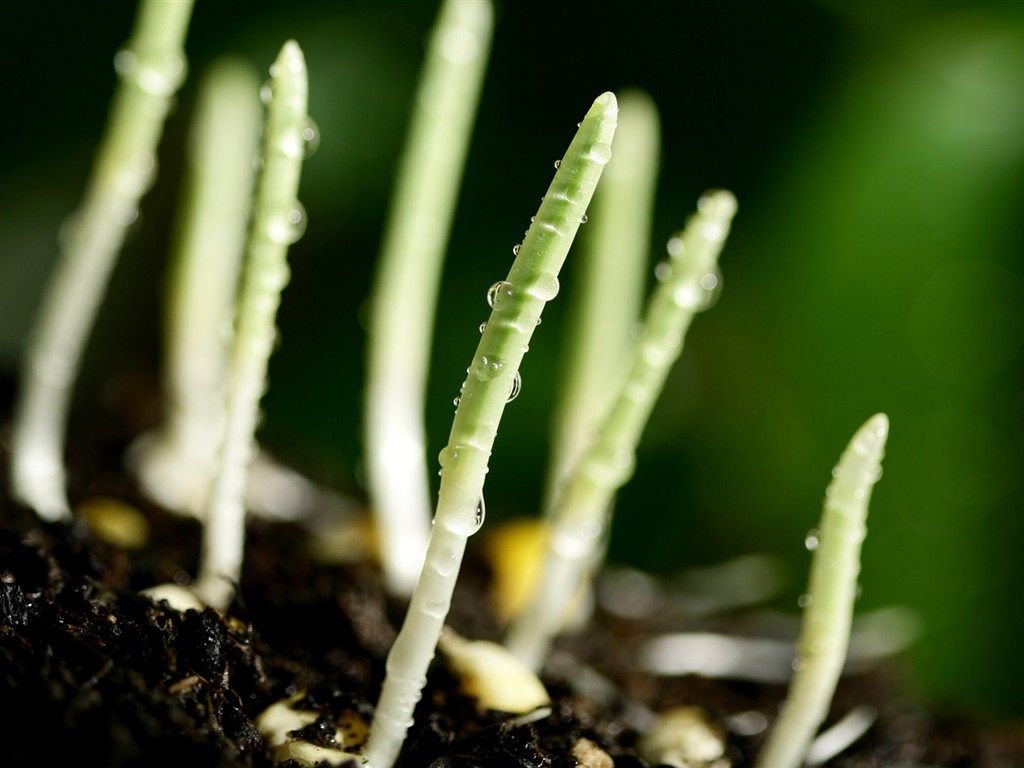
x=151, y=67
x=405, y=294
x=278, y=221
x=588, y=471
x=580, y=518
x=493, y=379
x=175, y=464
x=608, y=284
x=828, y=603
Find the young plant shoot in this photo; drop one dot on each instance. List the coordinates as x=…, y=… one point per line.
x=278, y=221
x=608, y=284
x=176, y=463
x=151, y=68
x=404, y=298
x=828, y=604
x=516, y=306
x=580, y=518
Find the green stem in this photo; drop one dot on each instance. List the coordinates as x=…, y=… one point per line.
x=580, y=517
x=151, y=68
x=401, y=320
x=277, y=222
x=608, y=285
x=176, y=464
x=517, y=303
x=828, y=604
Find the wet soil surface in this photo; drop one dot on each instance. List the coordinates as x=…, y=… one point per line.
x=93, y=673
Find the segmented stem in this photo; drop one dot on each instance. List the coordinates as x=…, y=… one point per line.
x=278, y=220
x=828, y=604
x=176, y=464
x=405, y=294
x=580, y=517
x=151, y=68
x=517, y=303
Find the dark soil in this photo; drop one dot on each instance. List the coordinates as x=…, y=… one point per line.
x=91, y=673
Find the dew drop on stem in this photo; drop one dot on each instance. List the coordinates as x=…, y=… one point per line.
x=812, y=539
x=499, y=295
x=517, y=385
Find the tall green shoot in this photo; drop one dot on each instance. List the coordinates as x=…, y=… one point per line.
x=176, y=463
x=278, y=221
x=607, y=286
x=581, y=515
x=405, y=292
x=151, y=67
x=516, y=304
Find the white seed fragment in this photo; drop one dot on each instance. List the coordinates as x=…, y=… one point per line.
x=494, y=676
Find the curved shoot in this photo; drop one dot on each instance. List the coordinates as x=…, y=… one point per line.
x=516, y=304
x=278, y=221
x=151, y=67
x=580, y=515
x=828, y=604
x=405, y=294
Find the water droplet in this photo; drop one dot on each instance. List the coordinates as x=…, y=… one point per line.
x=675, y=247
x=124, y=63
x=700, y=295
x=445, y=563
x=311, y=136
x=456, y=401
x=287, y=228
x=858, y=493
x=515, y=249
x=266, y=93
x=437, y=609
x=481, y=512
x=812, y=539
x=499, y=296
x=804, y=600
x=715, y=231
x=557, y=164
x=545, y=287
x=517, y=385
x=874, y=474
x=274, y=278
x=487, y=368
x=483, y=326
x=600, y=153
x=837, y=471
x=663, y=271
x=798, y=663
x=583, y=219
x=672, y=339
x=448, y=455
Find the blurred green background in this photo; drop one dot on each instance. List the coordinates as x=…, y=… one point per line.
x=876, y=148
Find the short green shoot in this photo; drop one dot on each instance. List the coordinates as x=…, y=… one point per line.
x=493, y=379
x=278, y=221
x=176, y=463
x=580, y=520
x=608, y=284
x=828, y=604
x=151, y=68
x=405, y=293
